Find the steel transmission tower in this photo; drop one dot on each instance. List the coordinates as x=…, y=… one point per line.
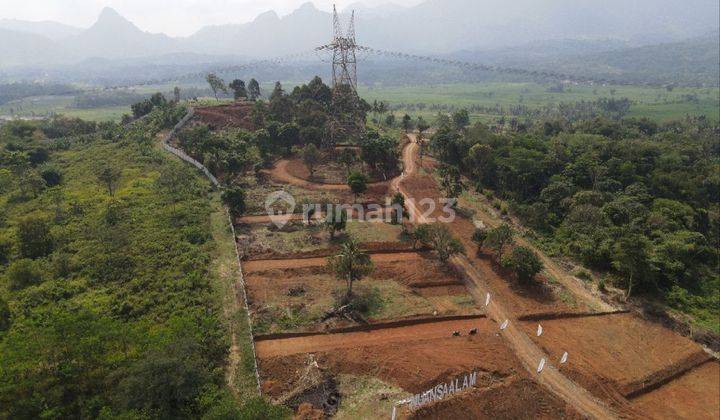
x=344, y=57
x=348, y=119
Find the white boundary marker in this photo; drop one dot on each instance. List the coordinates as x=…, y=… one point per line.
x=505, y=324
x=564, y=358
x=539, y=330
x=487, y=299
x=541, y=366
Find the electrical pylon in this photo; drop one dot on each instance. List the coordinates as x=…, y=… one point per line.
x=344, y=53
x=348, y=121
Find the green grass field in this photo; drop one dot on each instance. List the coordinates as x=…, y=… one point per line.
x=655, y=103
x=652, y=102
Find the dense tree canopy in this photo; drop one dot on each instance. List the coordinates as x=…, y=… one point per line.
x=631, y=196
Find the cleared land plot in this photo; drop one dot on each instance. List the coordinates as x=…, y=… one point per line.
x=294, y=295
x=693, y=395
x=266, y=241
x=616, y=349
x=419, y=357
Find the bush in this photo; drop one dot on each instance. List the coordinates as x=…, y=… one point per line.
x=234, y=198
x=52, y=177
x=479, y=237
x=33, y=234
x=5, y=249
x=4, y=315
x=23, y=273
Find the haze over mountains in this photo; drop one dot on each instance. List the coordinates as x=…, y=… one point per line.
x=434, y=26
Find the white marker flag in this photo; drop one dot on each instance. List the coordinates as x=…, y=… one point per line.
x=505, y=324
x=541, y=365
x=564, y=358
x=540, y=330
x=487, y=299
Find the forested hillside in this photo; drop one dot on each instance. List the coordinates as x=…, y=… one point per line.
x=106, y=304
x=630, y=198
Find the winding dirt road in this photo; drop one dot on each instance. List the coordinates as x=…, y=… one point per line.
x=524, y=348
x=280, y=173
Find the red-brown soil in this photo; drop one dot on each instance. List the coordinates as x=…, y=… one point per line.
x=519, y=398
x=282, y=173
x=223, y=116
x=369, y=247
x=327, y=342
x=694, y=395
x=606, y=353
x=413, y=357
x=264, y=265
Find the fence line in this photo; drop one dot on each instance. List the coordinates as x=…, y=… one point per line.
x=184, y=156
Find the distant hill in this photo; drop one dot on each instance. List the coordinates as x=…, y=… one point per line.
x=21, y=48
x=610, y=37
x=113, y=36
x=51, y=30
x=694, y=61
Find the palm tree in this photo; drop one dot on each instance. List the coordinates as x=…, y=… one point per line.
x=351, y=265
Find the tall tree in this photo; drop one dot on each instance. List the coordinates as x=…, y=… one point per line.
x=311, y=157
x=499, y=238
x=347, y=158
x=351, y=264
x=253, y=89
x=407, y=123
x=109, y=176
x=238, y=87
x=336, y=220
x=357, y=181
x=216, y=84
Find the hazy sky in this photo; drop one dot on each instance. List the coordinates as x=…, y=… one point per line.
x=174, y=17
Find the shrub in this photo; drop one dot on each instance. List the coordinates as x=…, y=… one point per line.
x=52, y=176
x=23, y=273
x=479, y=236
x=234, y=198
x=4, y=315
x=33, y=234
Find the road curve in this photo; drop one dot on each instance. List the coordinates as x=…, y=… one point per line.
x=280, y=173
x=524, y=348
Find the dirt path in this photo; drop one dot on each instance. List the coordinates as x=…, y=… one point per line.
x=280, y=173
x=263, y=265
x=325, y=342
x=569, y=282
x=527, y=351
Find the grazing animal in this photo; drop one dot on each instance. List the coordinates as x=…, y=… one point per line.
x=473, y=331
x=456, y=333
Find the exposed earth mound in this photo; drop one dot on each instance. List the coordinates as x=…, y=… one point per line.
x=223, y=116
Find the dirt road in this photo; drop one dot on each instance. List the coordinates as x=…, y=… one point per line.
x=527, y=351
x=280, y=173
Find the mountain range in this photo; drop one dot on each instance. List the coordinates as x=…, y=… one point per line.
x=432, y=27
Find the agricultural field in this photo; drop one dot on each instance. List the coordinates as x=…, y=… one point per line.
x=652, y=102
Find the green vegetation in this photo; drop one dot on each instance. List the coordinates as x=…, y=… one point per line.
x=350, y=265
x=108, y=304
x=488, y=102
x=631, y=197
